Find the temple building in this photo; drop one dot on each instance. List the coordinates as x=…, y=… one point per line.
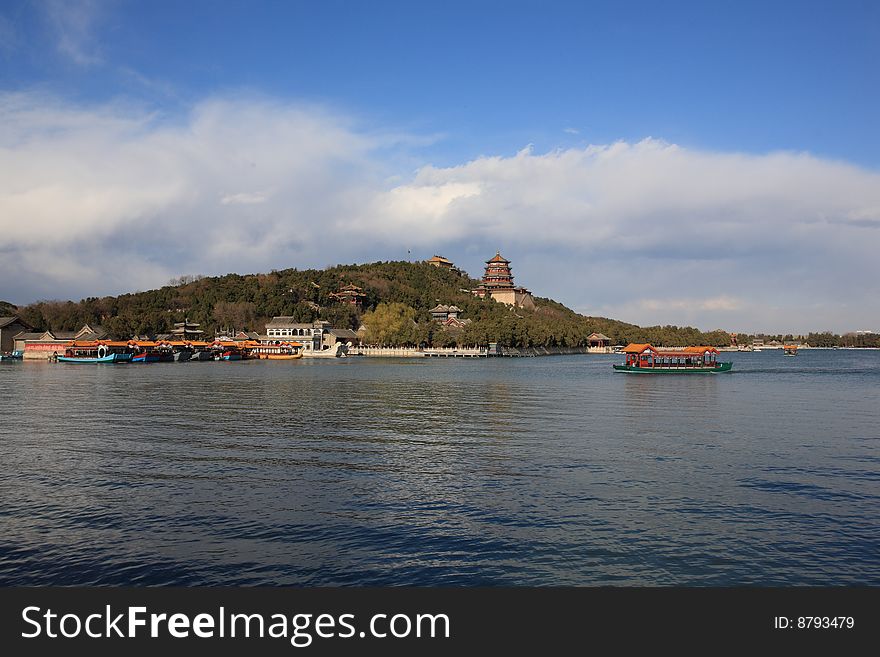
x=9, y=328
x=440, y=261
x=444, y=263
x=350, y=294
x=448, y=316
x=498, y=284
x=186, y=330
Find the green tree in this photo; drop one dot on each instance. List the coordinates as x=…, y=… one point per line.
x=389, y=323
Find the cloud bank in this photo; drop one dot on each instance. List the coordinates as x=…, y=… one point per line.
x=103, y=199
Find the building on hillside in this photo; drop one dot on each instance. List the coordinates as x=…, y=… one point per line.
x=497, y=284
x=9, y=328
x=440, y=261
x=187, y=330
x=444, y=263
x=349, y=294
x=448, y=316
x=441, y=312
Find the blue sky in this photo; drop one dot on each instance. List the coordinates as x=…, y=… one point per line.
x=558, y=132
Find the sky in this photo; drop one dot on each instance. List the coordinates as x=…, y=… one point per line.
x=692, y=163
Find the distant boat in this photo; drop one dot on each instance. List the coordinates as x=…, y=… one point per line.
x=95, y=352
x=153, y=357
x=277, y=351
x=14, y=355
x=339, y=350
x=646, y=359
x=789, y=350
x=182, y=356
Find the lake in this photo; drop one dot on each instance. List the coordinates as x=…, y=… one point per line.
x=366, y=471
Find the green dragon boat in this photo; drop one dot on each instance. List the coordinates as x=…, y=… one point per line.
x=645, y=359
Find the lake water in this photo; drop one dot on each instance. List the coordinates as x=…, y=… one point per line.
x=362, y=471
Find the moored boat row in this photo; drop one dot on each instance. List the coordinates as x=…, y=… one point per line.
x=144, y=351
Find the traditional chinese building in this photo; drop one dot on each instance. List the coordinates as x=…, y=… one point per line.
x=448, y=316
x=444, y=263
x=599, y=342
x=9, y=328
x=48, y=343
x=498, y=284
x=350, y=294
x=186, y=330
x=440, y=261
x=316, y=336
x=442, y=312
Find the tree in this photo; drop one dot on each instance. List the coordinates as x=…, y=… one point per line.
x=389, y=323
x=234, y=315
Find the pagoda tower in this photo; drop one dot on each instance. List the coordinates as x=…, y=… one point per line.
x=186, y=329
x=497, y=284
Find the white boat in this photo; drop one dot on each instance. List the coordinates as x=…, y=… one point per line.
x=338, y=350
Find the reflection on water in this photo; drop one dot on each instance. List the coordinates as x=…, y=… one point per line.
x=540, y=471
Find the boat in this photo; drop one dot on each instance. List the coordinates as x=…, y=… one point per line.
x=339, y=350
x=276, y=351
x=147, y=351
x=95, y=352
x=12, y=355
x=789, y=350
x=201, y=356
x=646, y=359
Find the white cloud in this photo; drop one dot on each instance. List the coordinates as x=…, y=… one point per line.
x=74, y=22
x=104, y=199
x=244, y=198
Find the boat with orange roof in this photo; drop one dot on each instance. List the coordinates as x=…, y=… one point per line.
x=276, y=351
x=644, y=358
x=96, y=351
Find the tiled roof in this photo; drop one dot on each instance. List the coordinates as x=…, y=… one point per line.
x=26, y=336
x=342, y=333
x=6, y=321
x=637, y=348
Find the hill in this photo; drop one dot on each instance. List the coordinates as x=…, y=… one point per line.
x=235, y=302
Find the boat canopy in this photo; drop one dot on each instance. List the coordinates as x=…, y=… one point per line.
x=638, y=348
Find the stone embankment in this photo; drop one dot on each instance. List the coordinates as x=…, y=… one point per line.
x=470, y=352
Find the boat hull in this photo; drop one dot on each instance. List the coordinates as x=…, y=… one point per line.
x=153, y=357
x=110, y=358
x=721, y=367
x=281, y=356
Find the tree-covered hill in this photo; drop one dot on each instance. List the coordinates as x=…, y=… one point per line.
x=236, y=302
